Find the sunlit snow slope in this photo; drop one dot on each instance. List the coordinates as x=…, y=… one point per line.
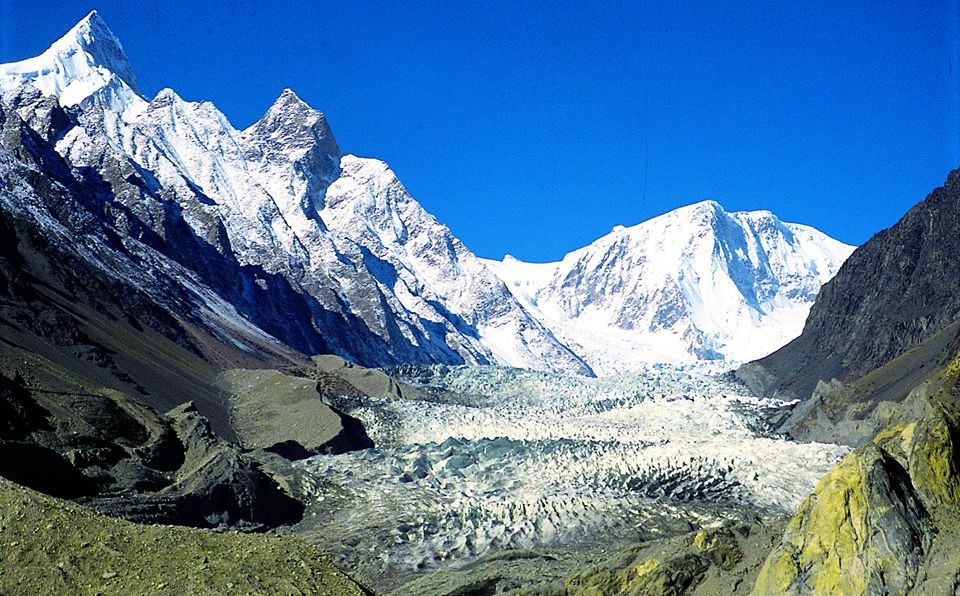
x=695, y=286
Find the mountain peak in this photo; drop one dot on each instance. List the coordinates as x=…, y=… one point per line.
x=292, y=123
x=694, y=286
x=92, y=22
x=85, y=59
x=704, y=206
x=93, y=37
x=288, y=106
x=289, y=98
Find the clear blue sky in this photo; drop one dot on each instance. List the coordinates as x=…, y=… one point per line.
x=534, y=130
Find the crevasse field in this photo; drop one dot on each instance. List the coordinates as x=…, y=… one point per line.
x=499, y=458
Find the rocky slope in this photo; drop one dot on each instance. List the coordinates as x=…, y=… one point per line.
x=898, y=289
x=695, y=285
x=325, y=251
x=852, y=412
x=124, y=459
x=102, y=331
x=55, y=547
x=886, y=519
x=287, y=414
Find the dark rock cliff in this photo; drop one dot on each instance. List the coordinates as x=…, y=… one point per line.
x=897, y=290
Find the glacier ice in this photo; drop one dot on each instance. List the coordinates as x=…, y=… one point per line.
x=496, y=458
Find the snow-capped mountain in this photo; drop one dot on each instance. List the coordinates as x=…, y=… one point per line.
x=325, y=251
x=328, y=253
x=693, y=286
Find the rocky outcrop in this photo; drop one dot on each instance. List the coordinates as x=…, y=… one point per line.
x=884, y=520
x=669, y=576
x=287, y=415
x=124, y=459
x=863, y=530
x=718, y=560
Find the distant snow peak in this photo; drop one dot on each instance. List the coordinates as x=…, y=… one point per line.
x=290, y=124
x=695, y=286
x=289, y=108
x=289, y=99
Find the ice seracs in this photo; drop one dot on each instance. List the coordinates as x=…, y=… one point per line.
x=695, y=286
x=501, y=459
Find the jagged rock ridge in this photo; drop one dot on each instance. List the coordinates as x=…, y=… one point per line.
x=897, y=290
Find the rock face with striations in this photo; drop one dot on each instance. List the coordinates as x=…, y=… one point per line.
x=898, y=289
x=863, y=530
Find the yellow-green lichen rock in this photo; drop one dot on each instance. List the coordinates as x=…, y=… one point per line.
x=933, y=458
x=863, y=530
x=930, y=451
x=645, y=577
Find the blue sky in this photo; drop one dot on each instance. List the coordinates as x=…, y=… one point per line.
x=533, y=130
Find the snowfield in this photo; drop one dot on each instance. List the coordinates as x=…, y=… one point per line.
x=500, y=458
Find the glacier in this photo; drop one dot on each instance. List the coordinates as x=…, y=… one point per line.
x=275, y=240
x=495, y=459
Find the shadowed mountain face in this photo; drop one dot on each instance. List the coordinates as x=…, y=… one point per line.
x=99, y=333
x=96, y=308
x=897, y=290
